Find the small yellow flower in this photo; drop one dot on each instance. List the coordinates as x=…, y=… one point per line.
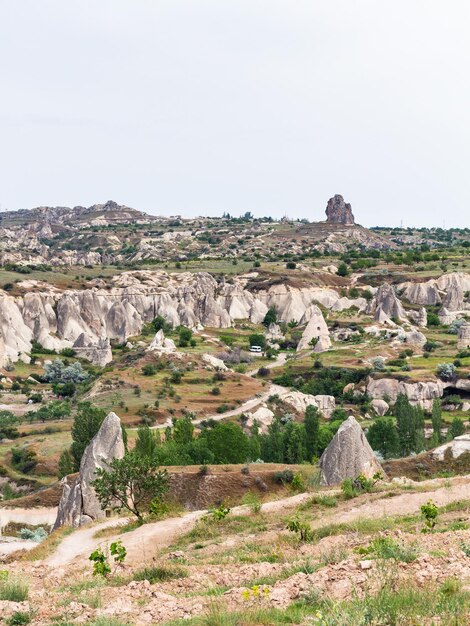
x=266, y=591
x=246, y=594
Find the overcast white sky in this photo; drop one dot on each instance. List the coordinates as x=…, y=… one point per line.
x=204, y=106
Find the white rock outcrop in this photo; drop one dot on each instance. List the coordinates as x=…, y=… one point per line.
x=348, y=455
x=458, y=446
x=316, y=331
x=160, y=343
x=79, y=503
x=422, y=393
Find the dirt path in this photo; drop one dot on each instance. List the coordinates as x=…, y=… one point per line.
x=142, y=542
x=403, y=504
x=158, y=535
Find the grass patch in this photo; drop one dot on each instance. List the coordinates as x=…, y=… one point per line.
x=209, y=528
x=159, y=574
x=14, y=590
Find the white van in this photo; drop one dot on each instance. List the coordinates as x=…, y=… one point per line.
x=257, y=349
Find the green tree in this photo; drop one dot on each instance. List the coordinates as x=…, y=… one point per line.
x=342, y=269
x=183, y=431
x=410, y=424
x=8, y=424
x=257, y=339
x=65, y=464
x=436, y=417
x=86, y=424
x=147, y=442
x=457, y=428
x=227, y=442
x=312, y=428
x=294, y=443
x=130, y=484
x=383, y=437
x=270, y=317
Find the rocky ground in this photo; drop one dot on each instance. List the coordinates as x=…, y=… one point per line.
x=249, y=565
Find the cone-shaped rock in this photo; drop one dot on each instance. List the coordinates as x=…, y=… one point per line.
x=348, y=455
x=79, y=503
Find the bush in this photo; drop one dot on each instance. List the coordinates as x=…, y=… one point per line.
x=446, y=371
x=149, y=370
x=13, y=590
x=284, y=477
x=23, y=459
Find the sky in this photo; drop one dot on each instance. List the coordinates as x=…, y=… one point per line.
x=197, y=107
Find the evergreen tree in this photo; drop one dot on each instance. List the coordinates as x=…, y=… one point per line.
x=270, y=317
x=457, y=428
x=86, y=424
x=147, y=442
x=383, y=437
x=410, y=424
x=312, y=428
x=294, y=443
x=436, y=417
x=183, y=430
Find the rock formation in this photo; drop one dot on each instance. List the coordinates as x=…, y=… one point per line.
x=338, y=211
x=422, y=393
x=160, y=343
x=79, y=503
x=386, y=306
x=348, y=455
x=315, y=333
x=300, y=401
x=98, y=353
x=463, y=340
x=458, y=446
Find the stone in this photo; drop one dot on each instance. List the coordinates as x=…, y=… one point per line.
x=106, y=445
x=214, y=362
x=415, y=338
x=263, y=416
x=454, y=299
x=348, y=455
x=274, y=332
x=463, y=338
x=380, y=407
x=300, y=401
x=338, y=211
x=420, y=393
x=70, y=505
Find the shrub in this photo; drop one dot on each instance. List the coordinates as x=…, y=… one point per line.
x=284, y=477
x=300, y=528
x=446, y=371
x=429, y=512
x=23, y=459
x=149, y=370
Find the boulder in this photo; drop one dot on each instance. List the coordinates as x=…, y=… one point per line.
x=70, y=505
x=415, y=338
x=338, y=211
x=300, y=401
x=263, y=416
x=348, y=455
x=458, y=446
x=316, y=329
x=380, y=406
x=79, y=504
x=214, y=362
x=274, y=332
